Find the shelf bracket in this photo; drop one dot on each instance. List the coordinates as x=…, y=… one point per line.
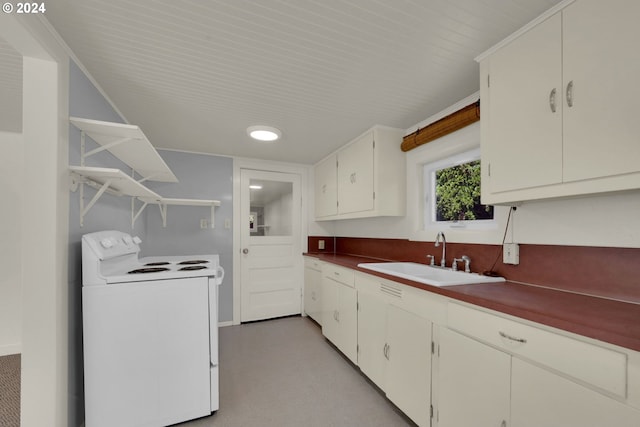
x=105, y=147
x=150, y=177
x=85, y=209
x=163, y=213
x=137, y=214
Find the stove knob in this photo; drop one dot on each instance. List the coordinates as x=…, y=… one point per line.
x=106, y=243
x=127, y=240
x=137, y=240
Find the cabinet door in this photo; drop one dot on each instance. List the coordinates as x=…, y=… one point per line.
x=540, y=398
x=408, y=376
x=313, y=293
x=602, y=63
x=355, y=176
x=472, y=383
x=326, y=187
x=524, y=138
x=329, y=309
x=347, y=335
x=372, y=330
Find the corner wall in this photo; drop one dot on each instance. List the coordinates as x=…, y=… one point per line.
x=11, y=146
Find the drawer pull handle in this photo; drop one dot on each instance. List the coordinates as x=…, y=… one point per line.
x=552, y=100
x=570, y=94
x=510, y=338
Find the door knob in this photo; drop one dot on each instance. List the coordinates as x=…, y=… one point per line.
x=245, y=251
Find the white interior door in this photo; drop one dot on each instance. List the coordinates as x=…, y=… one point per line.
x=271, y=254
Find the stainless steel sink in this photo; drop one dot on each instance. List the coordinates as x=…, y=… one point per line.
x=431, y=275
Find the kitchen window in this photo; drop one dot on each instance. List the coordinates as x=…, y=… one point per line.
x=452, y=193
x=456, y=149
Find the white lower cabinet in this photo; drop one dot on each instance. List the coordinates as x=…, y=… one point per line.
x=452, y=364
x=541, y=398
x=408, y=377
x=339, y=309
x=394, y=351
x=313, y=288
x=519, y=379
x=472, y=383
x=372, y=337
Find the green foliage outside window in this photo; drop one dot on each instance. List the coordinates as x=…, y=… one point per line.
x=458, y=194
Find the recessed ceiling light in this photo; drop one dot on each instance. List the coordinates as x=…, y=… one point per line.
x=255, y=187
x=264, y=133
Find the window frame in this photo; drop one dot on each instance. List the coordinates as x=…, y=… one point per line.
x=441, y=151
x=429, y=210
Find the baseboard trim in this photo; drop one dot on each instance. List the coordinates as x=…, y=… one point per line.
x=223, y=324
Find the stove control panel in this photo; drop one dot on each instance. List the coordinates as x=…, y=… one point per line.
x=110, y=244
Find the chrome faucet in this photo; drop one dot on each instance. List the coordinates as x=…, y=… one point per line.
x=467, y=263
x=440, y=237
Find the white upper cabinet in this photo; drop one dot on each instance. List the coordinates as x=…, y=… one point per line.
x=520, y=128
x=326, y=187
x=366, y=178
x=355, y=175
x=559, y=104
x=601, y=67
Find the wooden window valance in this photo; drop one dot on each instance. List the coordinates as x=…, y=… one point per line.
x=451, y=123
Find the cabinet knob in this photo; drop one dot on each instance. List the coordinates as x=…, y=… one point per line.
x=552, y=100
x=503, y=423
x=245, y=251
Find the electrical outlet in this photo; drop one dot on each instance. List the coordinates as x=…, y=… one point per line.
x=204, y=223
x=321, y=245
x=511, y=253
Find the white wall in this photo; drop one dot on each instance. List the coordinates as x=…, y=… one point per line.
x=603, y=220
x=10, y=243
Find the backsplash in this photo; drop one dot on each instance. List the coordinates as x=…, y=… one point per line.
x=600, y=271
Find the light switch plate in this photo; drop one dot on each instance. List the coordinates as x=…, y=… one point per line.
x=511, y=253
x=320, y=244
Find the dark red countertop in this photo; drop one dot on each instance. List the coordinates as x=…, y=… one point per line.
x=607, y=320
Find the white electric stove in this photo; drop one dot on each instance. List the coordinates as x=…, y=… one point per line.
x=150, y=332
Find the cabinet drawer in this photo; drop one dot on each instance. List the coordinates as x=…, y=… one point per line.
x=313, y=263
x=339, y=274
x=595, y=365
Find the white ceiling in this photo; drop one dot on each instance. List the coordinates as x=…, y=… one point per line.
x=194, y=74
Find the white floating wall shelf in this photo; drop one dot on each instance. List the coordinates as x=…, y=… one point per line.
x=129, y=144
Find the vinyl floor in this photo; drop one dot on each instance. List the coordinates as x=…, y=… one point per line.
x=282, y=373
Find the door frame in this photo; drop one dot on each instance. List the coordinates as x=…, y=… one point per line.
x=268, y=166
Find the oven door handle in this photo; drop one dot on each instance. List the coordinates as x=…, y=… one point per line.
x=219, y=275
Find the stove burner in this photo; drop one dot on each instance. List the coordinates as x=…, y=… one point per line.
x=157, y=263
x=148, y=270
x=193, y=267
x=194, y=261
